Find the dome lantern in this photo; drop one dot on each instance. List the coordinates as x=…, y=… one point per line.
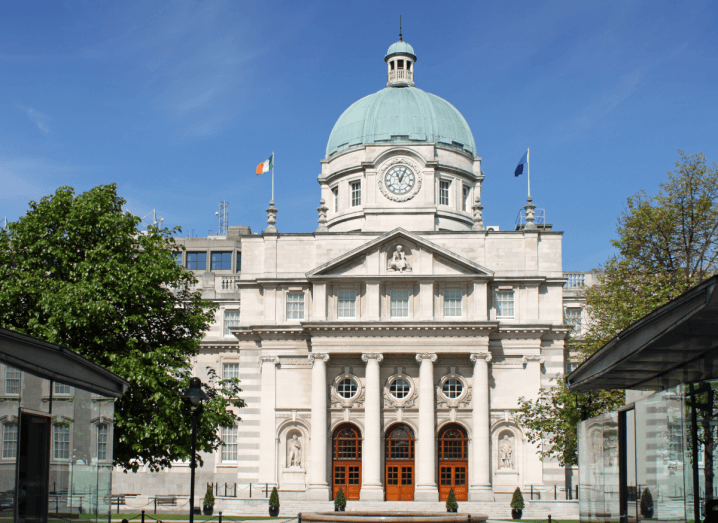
x=400, y=59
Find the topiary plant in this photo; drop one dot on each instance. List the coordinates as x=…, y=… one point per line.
x=518, y=500
x=209, y=497
x=646, y=503
x=451, y=502
x=274, y=498
x=340, y=500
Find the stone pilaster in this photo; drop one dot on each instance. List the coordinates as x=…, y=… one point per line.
x=426, y=488
x=318, y=485
x=372, y=488
x=267, y=421
x=480, y=486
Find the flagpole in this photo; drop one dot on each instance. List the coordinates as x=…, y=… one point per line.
x=528, y=165
x=273, y=176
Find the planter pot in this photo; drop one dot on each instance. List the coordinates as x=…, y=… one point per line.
x=340, y=509
x=516, y=513
x=451, y=509
x=207, y=510
x=273, y=512
x=648, y=513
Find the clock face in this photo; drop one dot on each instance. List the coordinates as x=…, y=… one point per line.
x=400, y=179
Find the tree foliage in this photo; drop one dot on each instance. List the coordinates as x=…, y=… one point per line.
x=666, y=244
x=76, y=271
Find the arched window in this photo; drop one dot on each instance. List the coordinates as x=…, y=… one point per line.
x=346, y=443
x=400, y=443
x=346, y=461
x=453, y=443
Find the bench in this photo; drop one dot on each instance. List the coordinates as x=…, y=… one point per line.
x=167, y=501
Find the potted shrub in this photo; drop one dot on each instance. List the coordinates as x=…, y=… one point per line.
x=517, y=504
x=274, y=503
x=451, y=504
x=340, y=502
x=208, y=503
x=646, y=504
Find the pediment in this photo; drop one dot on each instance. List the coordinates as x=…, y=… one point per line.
x=399, y=253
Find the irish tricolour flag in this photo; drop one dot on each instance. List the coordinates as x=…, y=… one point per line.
x=266, y=166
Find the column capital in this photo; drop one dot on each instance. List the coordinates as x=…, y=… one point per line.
x=532, y=357
x=318, y=356
x=268, y=359
x=372, y=356
x=481, y=356
x=426, y=356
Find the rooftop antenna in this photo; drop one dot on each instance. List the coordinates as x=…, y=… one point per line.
x=223, y=214
x=400, y=37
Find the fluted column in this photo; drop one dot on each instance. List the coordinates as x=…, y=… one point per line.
x=426, y=489
x=480, y=487
x=267, y=433
x=372, y=488
x=318, y=486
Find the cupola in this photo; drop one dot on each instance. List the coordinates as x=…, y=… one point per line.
x=400, y=60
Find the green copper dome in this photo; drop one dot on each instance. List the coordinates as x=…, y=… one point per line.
x=401, y=115
x=400, y=47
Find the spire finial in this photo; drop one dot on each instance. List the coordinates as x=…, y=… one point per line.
x=400, y=37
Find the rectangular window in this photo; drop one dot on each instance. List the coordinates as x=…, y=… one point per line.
x=465, y=193
x=229, y=440
x=346, y=304
x=335, y=197
x=444, y=187
x=61, y=388
x=230, y=370
x=61, y=441
x=505, y=304
x=178, y=258
x=12, y=381
x=221, y=261
x=356, y=193
x=238, y=265
x=399, y=304
x=295, y=305
x=102, y=442
x=197, y=261
x=9, y=440
x=231, y=319
x=572, y=318
x=452, y=303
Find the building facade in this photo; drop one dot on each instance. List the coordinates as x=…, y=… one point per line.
x=385, y=352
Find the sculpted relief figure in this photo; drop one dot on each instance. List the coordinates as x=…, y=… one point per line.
x=294, y=446
x=398, y=262
x=506, y=453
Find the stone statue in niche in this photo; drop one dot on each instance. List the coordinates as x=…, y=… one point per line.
x=294, y=449
x=398, y=261
x=506, y=453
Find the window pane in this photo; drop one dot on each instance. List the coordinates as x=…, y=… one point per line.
x=505, y=304
x=452, y=388
x=444, y=192
x=61, y=388
x=346, y=304
x=102, y=442
x=221, y=261
x=9, y=440
x=238, y=265
x=466, y=192
x=335, y=197
x=229, y=448
x=399, y=304
x=231, y=319
x=61, y=441
x=230, y=370
x=399, y=388
x=295, y=305
x=347, y=388
x=573, y=318
x=452, y=303
x=356, y=193
x=197, y=261
x=12, y=381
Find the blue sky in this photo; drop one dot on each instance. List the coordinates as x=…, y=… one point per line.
x=177, y=102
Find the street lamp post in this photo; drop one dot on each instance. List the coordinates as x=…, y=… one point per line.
x=196, y=395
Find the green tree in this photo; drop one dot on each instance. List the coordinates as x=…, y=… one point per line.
x=666, y=244
x=76, y=271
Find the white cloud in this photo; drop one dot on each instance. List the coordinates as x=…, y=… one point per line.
x=36, y=117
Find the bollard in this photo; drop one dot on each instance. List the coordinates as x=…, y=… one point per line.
x=220, y=516
x=250, y=490
x=549, y=518
x=143, y=516
x=469, y=518
x=299, y=517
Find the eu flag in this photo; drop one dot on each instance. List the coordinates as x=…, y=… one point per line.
x=522, y=164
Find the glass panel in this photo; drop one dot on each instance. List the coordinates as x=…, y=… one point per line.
x=505, y=304
x=197, y=261
x=229, y=448
x=400, y=388
x=221, y=261
x=238, y=264
x=406, y=475
x=347, y=388
x=353, y=476
x=452, y=303
x=230, y=370
x=444, y=192
x=231, y=319
x=339, y=476
x=392, y=475
x=12, y=381
x=295, y=305
x=446, y=475
x=452, y=388
x=460, y=476
x=399, y=304
x=346, y=304
x=356, y=193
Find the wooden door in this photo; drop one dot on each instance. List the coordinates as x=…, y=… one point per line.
x=399, y=470
x=346, y=461
x=453, y=463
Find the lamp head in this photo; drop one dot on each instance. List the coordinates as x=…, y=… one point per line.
x=195, y=393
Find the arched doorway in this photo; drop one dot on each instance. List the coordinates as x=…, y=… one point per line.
x=346, y=461
x=399, y=459
x=453, y=462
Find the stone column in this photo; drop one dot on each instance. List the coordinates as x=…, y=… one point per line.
x=533, y=466
x=372, y=488
x=425, y=459
x=318, y=486
x=480, y=486
x=267, y=421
